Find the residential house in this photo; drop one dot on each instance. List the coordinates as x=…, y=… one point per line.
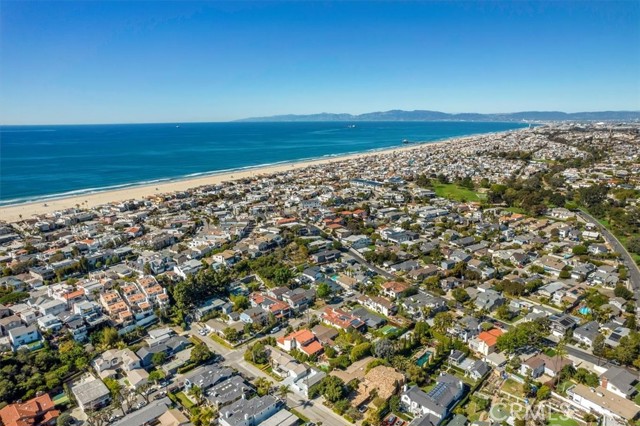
x=111, y=360
x=341, y=319
x=587, y=332
x=91, y=394
x=486, y=342
x=378, y=304
x=206, y=376
x=489, y=300
x=23, y=336
x=38, y=411
x=561, y=324
x=394, y=289
x=533, y=367
x=250, y=412
x=228, y=391
x=437, y=403
x=385, y=381
x=302, y=340
x=620, y=381
x=604, y=402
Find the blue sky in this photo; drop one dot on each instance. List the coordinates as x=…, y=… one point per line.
x=116, y=61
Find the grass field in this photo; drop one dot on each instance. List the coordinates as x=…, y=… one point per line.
x=516, y=210
x=556, y=420
x=455, y=192
x=186, y=402
x=512, y=387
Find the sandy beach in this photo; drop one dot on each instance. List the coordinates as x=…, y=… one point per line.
x=13, y=213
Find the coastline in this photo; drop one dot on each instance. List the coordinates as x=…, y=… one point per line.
x=15, y=212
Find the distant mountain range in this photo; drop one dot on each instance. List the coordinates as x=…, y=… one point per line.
x=423, y=115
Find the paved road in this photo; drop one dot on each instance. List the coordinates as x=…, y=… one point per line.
x=314, y=410
x=634, y=271
x=583, y=355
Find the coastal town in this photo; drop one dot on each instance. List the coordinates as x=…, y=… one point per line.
x=487, y=280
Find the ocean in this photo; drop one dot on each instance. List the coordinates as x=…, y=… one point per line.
x=44, y=162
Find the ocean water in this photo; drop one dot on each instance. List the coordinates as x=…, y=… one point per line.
x=42, y=162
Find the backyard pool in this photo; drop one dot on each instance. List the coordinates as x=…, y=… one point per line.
x=423, y=359
x=585, y=310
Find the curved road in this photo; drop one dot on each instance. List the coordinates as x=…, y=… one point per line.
x=634, y=272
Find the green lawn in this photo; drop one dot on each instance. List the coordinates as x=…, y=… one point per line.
x=218, y=339
x=186, y=402
x=455, y=192
x=562, y=387
x=557, y=420
x=516, y=210
x=471, y=411
x=61, y=399
x=512, y=387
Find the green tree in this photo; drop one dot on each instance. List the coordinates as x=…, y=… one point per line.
x=196, y=393
x=360, y=351
x=156, y=376
x=622, y=291
x=598, y=345
x=158, y=359
x=109, y=337
x=231, y=334
x=543, y=393
x=579, y=250
x=200, y=354
x=503, y=313
x=633, y=244
x=332, y=388
x=384, y=348
x=282, y=276
x=283, y=391
x=64, y=419
x=441, y=321
x=240, y=303
x=323, y=291
x=263, y=386
x=460, y=294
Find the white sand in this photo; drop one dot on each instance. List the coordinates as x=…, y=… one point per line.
x=12, y=213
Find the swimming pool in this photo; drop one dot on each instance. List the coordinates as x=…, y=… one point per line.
x=423, y=359
x=585, y=310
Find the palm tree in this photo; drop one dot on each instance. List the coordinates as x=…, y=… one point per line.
x=142, y=390
x=283, y=391
x=196, y=393
x=263, y=386
x=561, y=350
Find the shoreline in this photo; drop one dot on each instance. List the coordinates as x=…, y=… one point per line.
x=15, y=212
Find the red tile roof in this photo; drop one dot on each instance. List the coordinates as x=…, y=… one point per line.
x=490, y=337
x=34, y=412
